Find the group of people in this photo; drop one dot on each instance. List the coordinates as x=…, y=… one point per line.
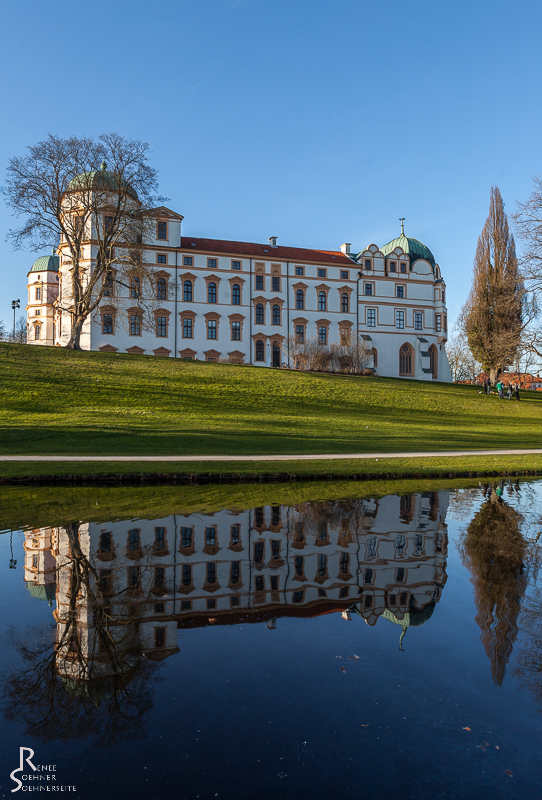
x=508, y=392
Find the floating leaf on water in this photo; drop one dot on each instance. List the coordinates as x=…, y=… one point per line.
x=466, y=729
x=343, y=669
x=509, y=773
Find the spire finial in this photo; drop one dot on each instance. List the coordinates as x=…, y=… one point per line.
x=402, y=221
x=103, y=166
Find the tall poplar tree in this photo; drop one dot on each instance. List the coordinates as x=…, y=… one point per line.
x=493, y=314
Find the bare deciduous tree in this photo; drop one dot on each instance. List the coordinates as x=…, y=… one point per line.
x=463, y=365
x=493, y=316
x=20, y=334
x=94, y=200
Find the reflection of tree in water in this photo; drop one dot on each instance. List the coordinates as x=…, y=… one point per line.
x=494, y=551
x=89, y=682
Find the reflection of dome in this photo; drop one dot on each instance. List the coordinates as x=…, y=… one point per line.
x=101, y=180
x=46, y=264
x=412, y=618
x=413, y=247
x=42, y=591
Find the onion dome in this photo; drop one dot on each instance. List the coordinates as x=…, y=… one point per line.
x=101, y=180
x=42, y=591
x=46, y=263
x=413, y=247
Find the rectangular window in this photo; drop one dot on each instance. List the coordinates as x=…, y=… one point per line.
x=161, y=230
x=260, y=283
x=38, y=293
x=439, y=322
x=367, y=264
x=235, y=571
x=188, y=261
x=186, y=537
x=211, y=263
x=236, y=265
x=236, y=331
x=211, y=329
x=211, y=572
x=159, y=637
x=107, y=323
x=371, y=547
x=418, y=321
x=321, y=273
x=275, y=281
x=133, y=539
x=322, y=334
x=259, y=583
x=161, y=326
x=393, y=266
x=275, y=548
x=187, y=329
x=399, y=291
x=297, y=597
x=258, y=552
x=108, y=223
x=399, y=320
x=187, y=574
x=186, y=605
x=344, y=274
x=300, y=334
x=368, y=289
x=135, y=325
x=403, y=267
x=299, y=270
x=371, y=317
x=235, y=533
x=134, y=577
x=159, y=577
x=37, y=332
x=159, y=608
x=38, y=312
x=274, y=582
x=160, y=538
x=161, y=258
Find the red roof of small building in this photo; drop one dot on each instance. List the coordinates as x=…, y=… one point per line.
x=265, y=251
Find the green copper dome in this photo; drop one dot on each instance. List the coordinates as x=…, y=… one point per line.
x=413, y=247
x=42, y=591
x=101, y=180
x=46, y=264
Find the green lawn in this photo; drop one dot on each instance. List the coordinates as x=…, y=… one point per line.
x=56, y=401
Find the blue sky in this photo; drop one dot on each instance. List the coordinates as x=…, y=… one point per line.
x=316, y=121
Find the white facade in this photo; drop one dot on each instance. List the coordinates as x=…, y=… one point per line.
x=216, y=300
x=378, y=558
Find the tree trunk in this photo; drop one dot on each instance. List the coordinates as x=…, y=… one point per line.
x=75, y=336
x=494, y=373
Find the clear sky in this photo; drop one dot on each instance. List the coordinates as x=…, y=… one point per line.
x=317, y=121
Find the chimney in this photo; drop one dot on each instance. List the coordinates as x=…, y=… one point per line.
x=345, y=248
x=273, y=241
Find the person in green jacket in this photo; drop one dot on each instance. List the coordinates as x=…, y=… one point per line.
x=499, y=389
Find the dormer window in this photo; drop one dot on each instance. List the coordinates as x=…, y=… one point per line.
x=403, y=267
x=367, y=263
x=393, y=266
x=161, y=230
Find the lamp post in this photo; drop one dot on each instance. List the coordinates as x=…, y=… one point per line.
x=15, y=304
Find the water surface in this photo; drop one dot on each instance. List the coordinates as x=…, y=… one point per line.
x=369, y=647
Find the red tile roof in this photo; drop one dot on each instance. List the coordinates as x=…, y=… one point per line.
x=265, y=251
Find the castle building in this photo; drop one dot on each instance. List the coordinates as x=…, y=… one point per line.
x=249, y=303
x=141, y=581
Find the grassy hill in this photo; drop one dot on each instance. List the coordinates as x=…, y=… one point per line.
x=56, y=401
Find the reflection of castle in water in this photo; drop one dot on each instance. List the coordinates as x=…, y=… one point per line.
x=126, y=583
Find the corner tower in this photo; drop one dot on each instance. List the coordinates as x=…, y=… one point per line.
x=43, y=285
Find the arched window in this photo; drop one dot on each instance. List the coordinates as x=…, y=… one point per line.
x=322, y=301
x=344, y=303
x=406, y=359
x=276, y=315
x=236, y=295
x=260, y=351
x=259, y=314
x=161, y=289
x=135, y=289
x=299, y=299
x=433, y=361
x=399, y=291
x=37, y=332
x=211, y=293
x=187, y=291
